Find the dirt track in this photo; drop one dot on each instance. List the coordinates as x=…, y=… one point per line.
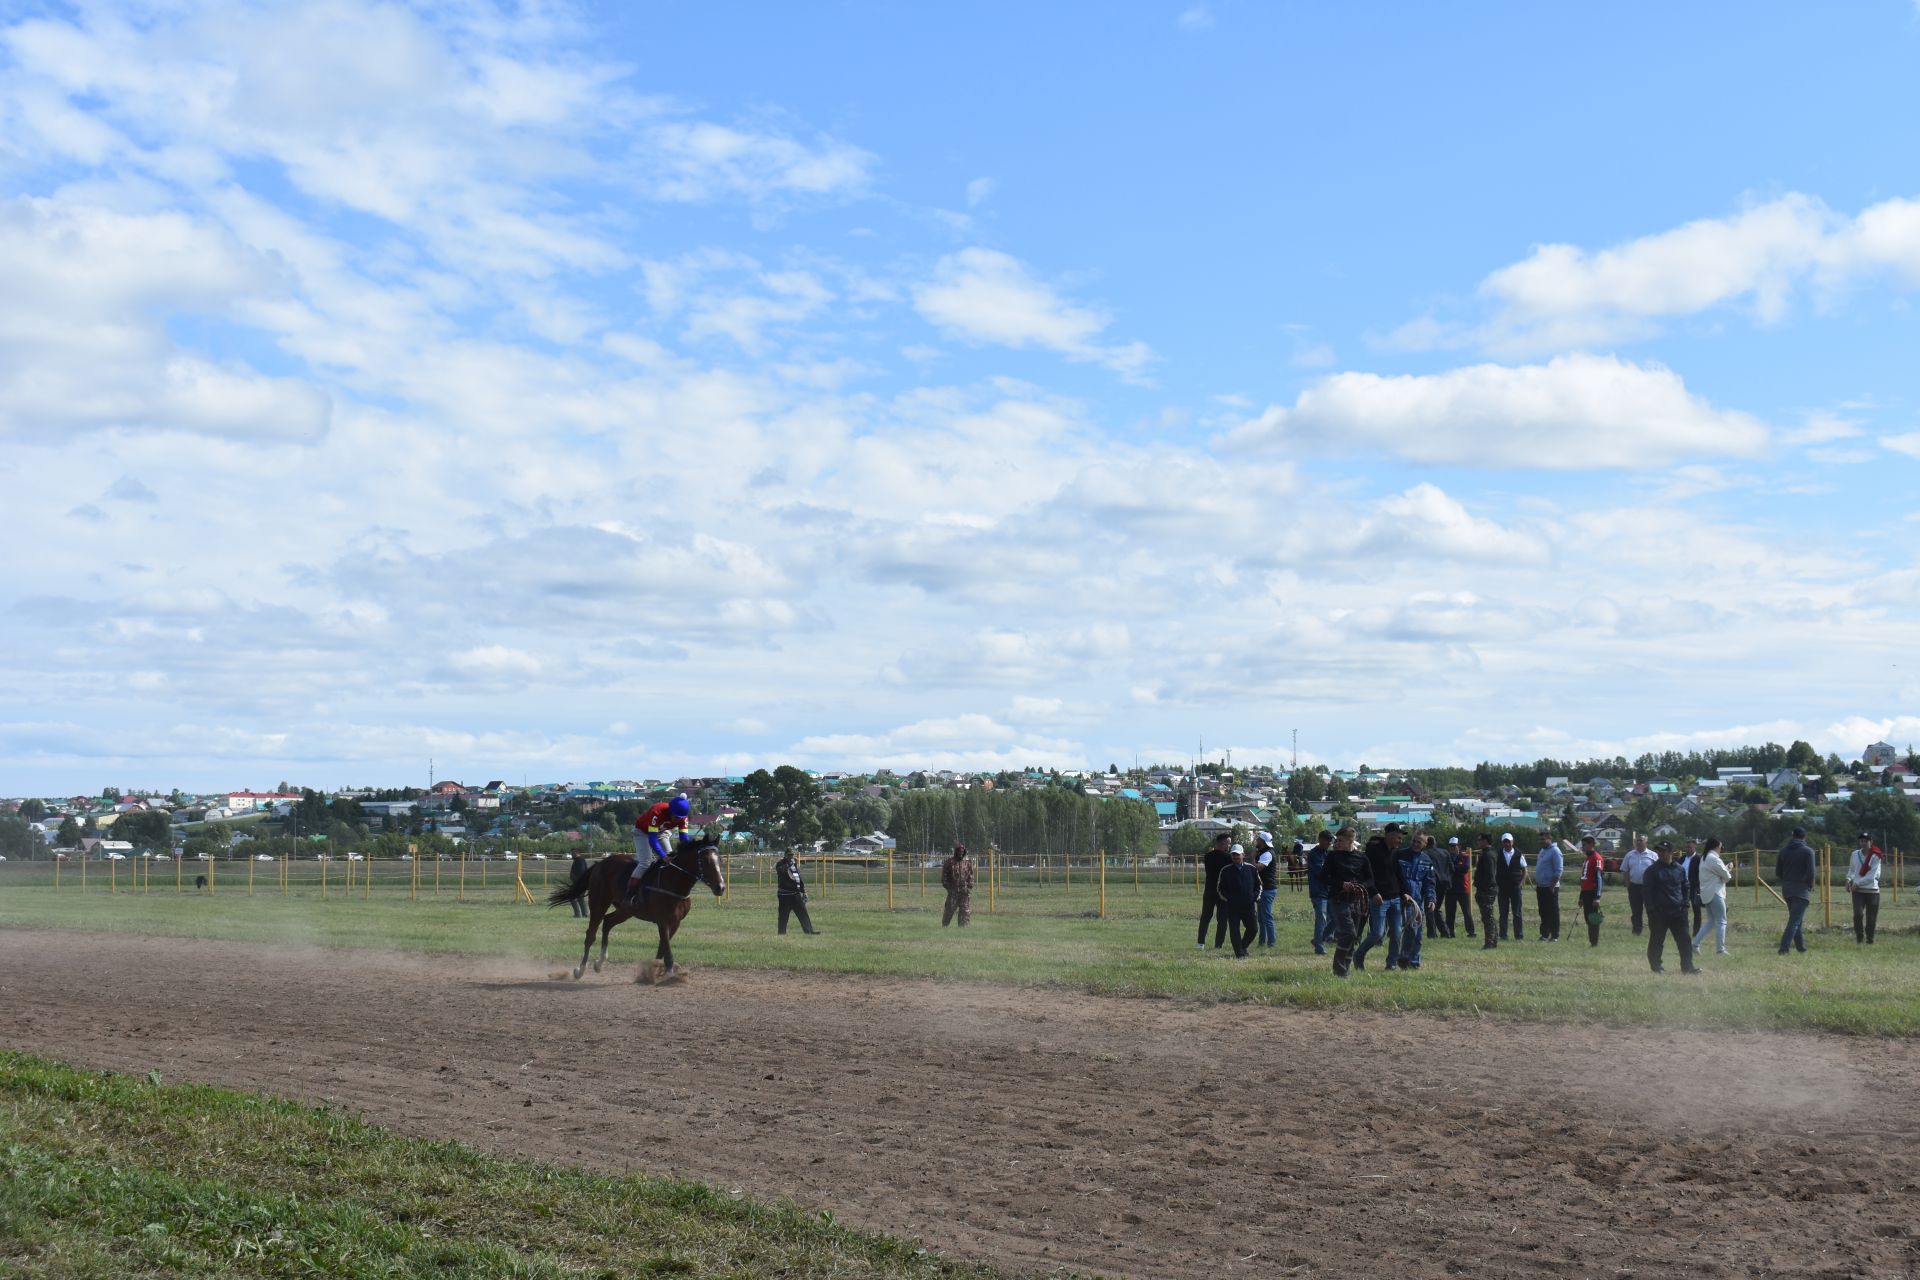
x=1039, y=1130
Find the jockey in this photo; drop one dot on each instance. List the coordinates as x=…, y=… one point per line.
x=650, y=832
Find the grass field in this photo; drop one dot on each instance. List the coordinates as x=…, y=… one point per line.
x=105, y=1175
x=1045, y=935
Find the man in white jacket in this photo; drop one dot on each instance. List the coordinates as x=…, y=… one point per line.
x=1714, y=879
x=1863, y=877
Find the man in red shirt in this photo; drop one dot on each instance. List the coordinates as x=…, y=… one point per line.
x=650, y=831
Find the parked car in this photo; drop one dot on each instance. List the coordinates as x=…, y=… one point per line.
x=263, y=857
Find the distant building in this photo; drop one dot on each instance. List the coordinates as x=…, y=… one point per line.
x=1879, y=755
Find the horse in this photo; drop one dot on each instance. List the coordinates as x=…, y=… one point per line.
x=604, y=885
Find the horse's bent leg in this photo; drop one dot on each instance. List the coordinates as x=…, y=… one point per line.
x=593, y=922
x=606, y=928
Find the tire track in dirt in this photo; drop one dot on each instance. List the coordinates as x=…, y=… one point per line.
x=1042, y=1130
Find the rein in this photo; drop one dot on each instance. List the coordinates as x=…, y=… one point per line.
x=691, y=873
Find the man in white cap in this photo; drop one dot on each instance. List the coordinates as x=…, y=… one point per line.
x=1269, y=866
x=1239, y=891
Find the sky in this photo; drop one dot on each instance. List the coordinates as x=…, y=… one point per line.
x=542, y=391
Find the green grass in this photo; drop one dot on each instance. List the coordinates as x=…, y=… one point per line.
x=104, y=1175
x=1044, y=935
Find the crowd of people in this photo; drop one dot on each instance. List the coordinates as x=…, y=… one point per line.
x=1398, y=891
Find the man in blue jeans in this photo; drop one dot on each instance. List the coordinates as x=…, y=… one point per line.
x=1388, y=900
x=1794, y=869
x=1268, y=864
x=1416, y=877
x=1317, y=891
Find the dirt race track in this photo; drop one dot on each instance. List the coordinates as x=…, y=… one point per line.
x=1041, y=1130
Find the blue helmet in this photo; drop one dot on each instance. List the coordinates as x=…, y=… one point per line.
x=680, y=806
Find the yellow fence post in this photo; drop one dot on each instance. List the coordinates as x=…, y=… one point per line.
x=83, y=873
x=1067, y=858
x=366, y=878
x=1102, y=855
x=1826, y=882
x=324, y=859
x=56, y=871
x=179, y=885
x=210, y=873
x=249, y=877
x=461, y=896
x=113, y=878
x=993, y=879
x=889, y=854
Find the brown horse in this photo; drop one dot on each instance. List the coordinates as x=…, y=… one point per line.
x=604, y=885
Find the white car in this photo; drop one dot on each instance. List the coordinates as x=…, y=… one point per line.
x=161, y=857
x=356, y=857
x=263, y=857
x=116, y=857
x=406, y=857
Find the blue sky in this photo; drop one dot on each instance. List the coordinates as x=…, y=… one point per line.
x=633, y=390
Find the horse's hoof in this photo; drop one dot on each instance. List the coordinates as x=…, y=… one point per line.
x=577, y=972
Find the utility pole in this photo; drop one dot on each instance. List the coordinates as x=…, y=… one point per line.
x=1295, y=766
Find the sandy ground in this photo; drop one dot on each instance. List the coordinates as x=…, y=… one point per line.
x=1042, y=1130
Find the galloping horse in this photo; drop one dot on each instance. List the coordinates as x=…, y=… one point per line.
x=605, y=887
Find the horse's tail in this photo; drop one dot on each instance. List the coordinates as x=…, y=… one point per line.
x=574, y=888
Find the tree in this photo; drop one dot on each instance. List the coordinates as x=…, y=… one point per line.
x=32, y=809
x=16, y=837
x=833, y=824
x=109, y=793
x=1189, y=842
x=1893, y=821
x=1803, y=757
x=69, y=836
x=780, y=807
x=145, y=829
x=1303, y=788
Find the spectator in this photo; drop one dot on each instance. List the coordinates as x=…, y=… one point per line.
x=1441, y=862
x=1633, y=868
x=1390, y=900
x=1863, y=878
x=1211, y=864
x=1665, y=890
x=790, y=888
x=1510, y=872
x=1712, y=878
x=576, y=872
x=1593, y=873
x=1317, y=894
x=1486, y=877
x=1794, y=869
x=956, y=877
x=1459, y=888
x=1269, y=869
x=1349, y=881
x=1416, y=877
x=1239, y=890
x=1692, y=863
x=1548, y=866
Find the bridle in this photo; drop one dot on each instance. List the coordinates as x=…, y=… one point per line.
x=694, y=874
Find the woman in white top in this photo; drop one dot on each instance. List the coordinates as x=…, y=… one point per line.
x=1863, y=877
x=1714, y=879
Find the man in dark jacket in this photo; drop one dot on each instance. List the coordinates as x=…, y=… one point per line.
x=1389, y=900
x=1239, y=888
x=1442, y=878
x=1349, y=880
x=576, y=872
x=1317, y=895
x=1664, y=888
x=1215, y=860
x=1794, y=869
x=1510, y=874
x=790, y=889
x=1486, y=879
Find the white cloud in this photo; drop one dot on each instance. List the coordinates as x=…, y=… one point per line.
x=979, y=190
x=1196, y=17
x=495, y=660
x=984, y=295
x=1907, y=443
x=1573, y=412
x=1562, y=296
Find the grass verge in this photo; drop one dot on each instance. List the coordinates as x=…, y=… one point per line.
x=1048, y=936
x=107, y=1175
